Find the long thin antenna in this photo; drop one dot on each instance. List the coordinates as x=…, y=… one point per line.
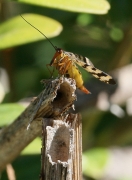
x=40, y=32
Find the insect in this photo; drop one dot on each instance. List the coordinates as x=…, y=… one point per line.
x=65, y=62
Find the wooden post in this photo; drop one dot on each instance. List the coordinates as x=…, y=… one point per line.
x=62, y=149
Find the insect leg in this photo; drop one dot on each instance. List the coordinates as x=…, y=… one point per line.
x=51, y=73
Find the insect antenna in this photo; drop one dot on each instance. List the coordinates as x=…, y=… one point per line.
x=40, y=32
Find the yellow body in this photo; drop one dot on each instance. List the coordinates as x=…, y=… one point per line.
x=66, y=66
x=74, y=73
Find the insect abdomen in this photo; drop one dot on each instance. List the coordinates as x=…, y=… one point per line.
x=74, y=73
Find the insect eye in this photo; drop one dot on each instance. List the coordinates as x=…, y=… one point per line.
x=59, y=50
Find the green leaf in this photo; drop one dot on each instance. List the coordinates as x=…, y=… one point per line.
x=16, y=31
x=87, y=6
x=94, y=162
x=8, y=112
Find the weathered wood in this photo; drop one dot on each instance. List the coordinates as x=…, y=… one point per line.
x=62, y=149
x=54, y=101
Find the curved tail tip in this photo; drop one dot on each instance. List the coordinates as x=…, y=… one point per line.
x=86, y=91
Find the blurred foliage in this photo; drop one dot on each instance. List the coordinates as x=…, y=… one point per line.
x=98, y=37
x=96, y=6
x=33, y=148
x=28, y=163
x=16, y=26
x=94, y=162
x=13, y=109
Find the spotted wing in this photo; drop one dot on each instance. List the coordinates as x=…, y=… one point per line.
x=85, y=63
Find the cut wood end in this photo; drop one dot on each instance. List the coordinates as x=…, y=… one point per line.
x=60, y=95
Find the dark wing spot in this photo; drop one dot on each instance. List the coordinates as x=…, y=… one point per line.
x=94, y=69
x=101, y=74
x=111, y=81
x=76, y=55
x=84, y=66
x=71, y=54
x=84, y=59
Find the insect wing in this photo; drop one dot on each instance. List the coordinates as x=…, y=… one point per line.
x=85, y=63
x=102, y=76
